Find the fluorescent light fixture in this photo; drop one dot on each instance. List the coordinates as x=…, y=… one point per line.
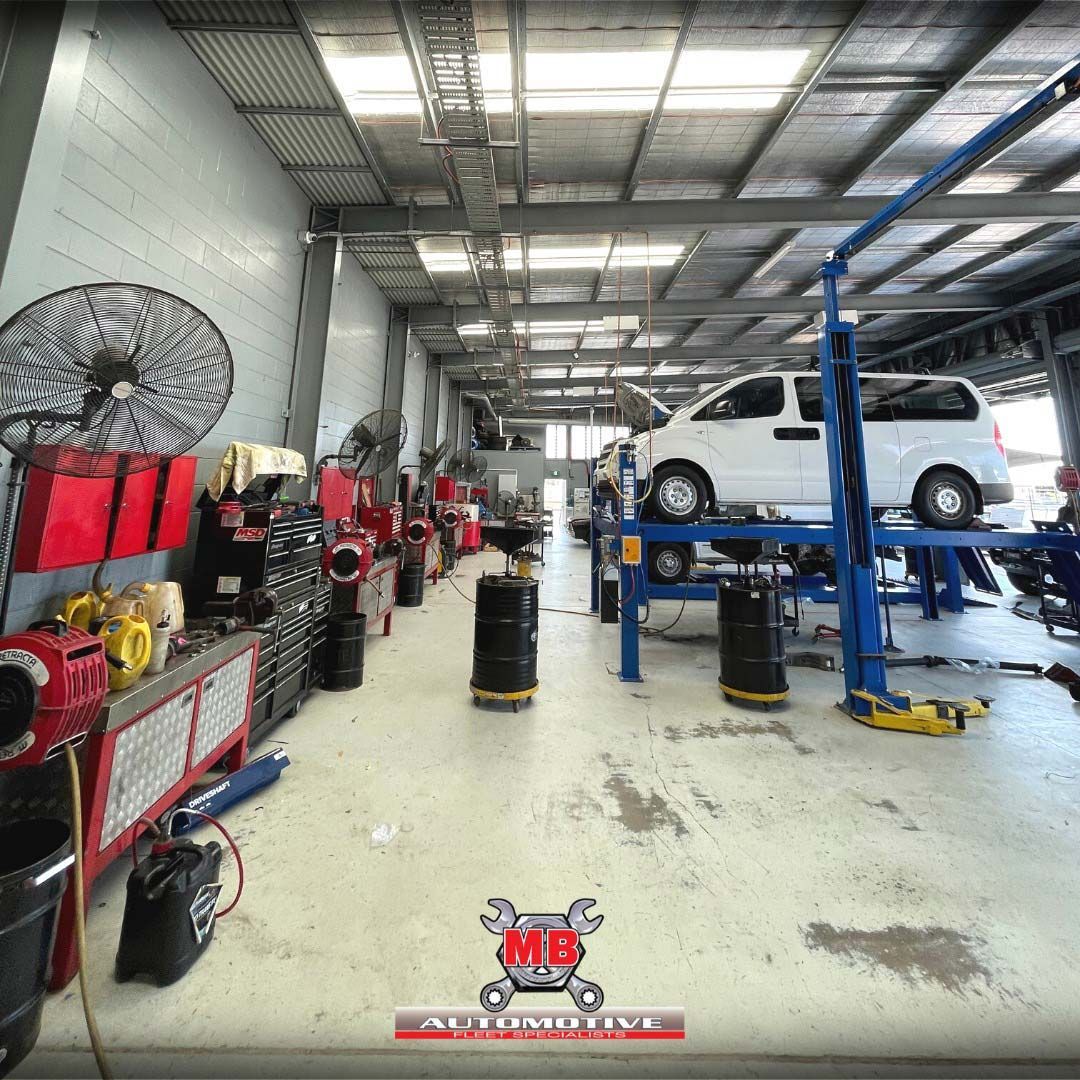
x=384, y=85
x=582, y=258
x=712, y=68
x=618, y=323
x=773, y=259
x=533, y=326
x=569, y=82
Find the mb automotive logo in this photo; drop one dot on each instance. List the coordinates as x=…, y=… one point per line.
x=540, y=954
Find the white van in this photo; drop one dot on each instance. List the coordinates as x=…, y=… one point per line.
x=931, y=444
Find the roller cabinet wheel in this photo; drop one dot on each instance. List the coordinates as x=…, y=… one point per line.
x=516, y=705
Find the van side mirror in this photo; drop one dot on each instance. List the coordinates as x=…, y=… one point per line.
x=724, y=409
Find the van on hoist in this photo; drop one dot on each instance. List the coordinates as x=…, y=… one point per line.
x=931, y=444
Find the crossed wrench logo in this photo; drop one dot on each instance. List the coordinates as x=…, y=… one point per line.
x=539, y=977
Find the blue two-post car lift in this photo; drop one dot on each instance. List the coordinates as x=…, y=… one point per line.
x=852, y=532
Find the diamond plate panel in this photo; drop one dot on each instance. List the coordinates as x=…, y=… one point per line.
x=223, y=705
x=149, y=758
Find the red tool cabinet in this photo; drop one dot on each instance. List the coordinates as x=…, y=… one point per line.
x=66, y=520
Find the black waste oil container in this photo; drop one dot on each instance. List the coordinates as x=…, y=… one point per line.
x=170, y=912
x=504, y=642
x=34, y=857
x=343, y=659
x=410, y=589
x=753, y=662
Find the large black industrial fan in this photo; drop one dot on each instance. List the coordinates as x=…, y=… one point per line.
x=429, y=462
x=372, y=443
x=109, y=379
x=466, y=466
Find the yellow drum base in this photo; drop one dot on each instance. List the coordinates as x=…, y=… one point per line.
x=515, y=698
x=745, y=695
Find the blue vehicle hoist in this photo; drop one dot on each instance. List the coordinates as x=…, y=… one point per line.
x=852, y=532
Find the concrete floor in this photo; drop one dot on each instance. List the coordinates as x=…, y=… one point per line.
x=822, y=898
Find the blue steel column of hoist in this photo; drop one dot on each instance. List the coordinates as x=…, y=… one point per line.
x=629, y=589
x=864, y=667
x=853, y=528
x=594, y=542
x=952, y=595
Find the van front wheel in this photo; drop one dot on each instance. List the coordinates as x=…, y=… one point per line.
x=678, y=494
x=944, y=500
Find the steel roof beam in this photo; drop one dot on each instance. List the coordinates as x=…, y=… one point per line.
x=663, y=354
x=796, y=212
x=714, y=307
x=1021, y=11
x=305, y=31
x=647, y=136
x=203, y=26
x=285, y=110
x=795, y=107
x=900, y=131
x=1041, y=299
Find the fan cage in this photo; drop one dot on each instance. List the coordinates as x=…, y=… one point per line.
x=372, y=443
x=108, y=379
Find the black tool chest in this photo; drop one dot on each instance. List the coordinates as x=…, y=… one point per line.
x=280, y=549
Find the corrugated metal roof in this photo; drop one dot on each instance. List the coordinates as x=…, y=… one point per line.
x=309, y=140
x=904, y=53
x=252, y=12
x=261, y=69
x=340, y=189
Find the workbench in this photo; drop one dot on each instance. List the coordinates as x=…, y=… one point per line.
x=149, y=745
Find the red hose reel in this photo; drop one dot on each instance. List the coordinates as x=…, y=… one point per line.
x=351, y=555
x=53, y=679
x=419, y=531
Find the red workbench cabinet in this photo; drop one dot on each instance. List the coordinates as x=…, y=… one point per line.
x=66, y=520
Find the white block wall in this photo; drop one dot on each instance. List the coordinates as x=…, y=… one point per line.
x=355, y=355
x=412, y=399
x=163, y=184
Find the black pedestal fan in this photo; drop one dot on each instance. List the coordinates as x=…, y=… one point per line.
x=102, y=381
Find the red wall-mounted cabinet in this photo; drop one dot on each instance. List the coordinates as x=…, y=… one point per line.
x=66, y=519
x=135, y=509
x=175, y=506
x=64, y=522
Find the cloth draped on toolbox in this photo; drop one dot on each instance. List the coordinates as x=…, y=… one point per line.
x=242, y=462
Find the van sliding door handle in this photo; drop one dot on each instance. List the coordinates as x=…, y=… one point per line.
x=790, y=434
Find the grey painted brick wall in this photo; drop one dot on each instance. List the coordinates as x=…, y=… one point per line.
x=355, y=355
x=444, y=407
x=163, y=184
x=412, y=399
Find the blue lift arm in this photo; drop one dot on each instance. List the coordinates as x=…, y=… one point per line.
x=853, y=531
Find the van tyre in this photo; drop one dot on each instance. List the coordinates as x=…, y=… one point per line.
x=679, y=494
x=1023, y=584
x=669, y=564
x=945, y=500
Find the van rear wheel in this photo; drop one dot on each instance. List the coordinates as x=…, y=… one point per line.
x=669, y=564
x=944, y=500
x=678, y=494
